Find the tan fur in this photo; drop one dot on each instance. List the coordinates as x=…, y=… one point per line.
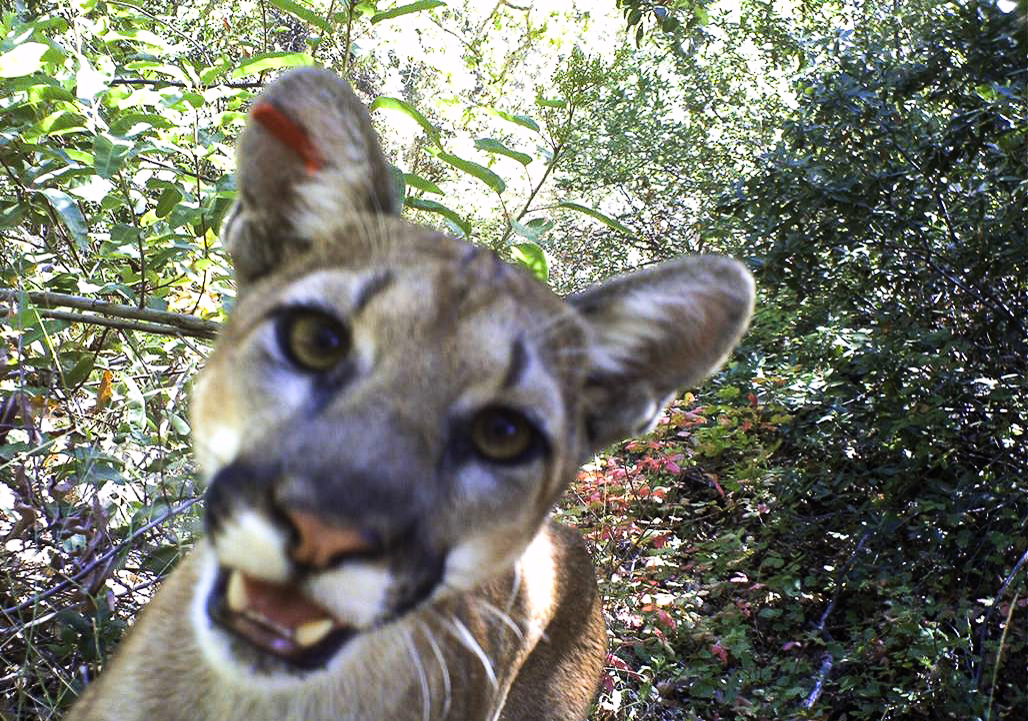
x=455, y=596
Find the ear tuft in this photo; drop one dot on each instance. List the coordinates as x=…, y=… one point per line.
x=309, y=167
x=655, y=331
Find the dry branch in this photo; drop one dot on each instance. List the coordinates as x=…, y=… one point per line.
x=115, y=315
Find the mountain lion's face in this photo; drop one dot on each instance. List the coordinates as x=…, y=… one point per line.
x=390, y=413
x=424, y=399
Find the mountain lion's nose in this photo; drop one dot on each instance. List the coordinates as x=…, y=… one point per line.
x=320, y=544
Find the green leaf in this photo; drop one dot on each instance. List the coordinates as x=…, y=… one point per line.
x=550, y=102
x=495, y=146
x=110, y=153
x=135, y=404
x=606, y=220
x=61, y=122
x=470, y=167
x=94, y=190
x=433, y=207
x=179, y=424
x=522, y=120
x=534, y=229
x=79, y=372
x=167, y=202
x=70, y=214
x=533, y=257
x=422, y=184
x=303, y=13
x=271, y=61
x=386, y=103
x=405, y=10
x=139, y=36
x=23, y=60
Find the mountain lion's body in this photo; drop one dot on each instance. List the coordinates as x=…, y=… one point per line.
x=385, y=424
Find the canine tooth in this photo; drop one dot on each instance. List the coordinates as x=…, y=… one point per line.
x=308, y=634
x=236, y=592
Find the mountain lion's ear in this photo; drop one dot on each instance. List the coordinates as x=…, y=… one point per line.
x=656, y=331
x=309, y=163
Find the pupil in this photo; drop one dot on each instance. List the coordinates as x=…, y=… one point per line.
x=503, y=429
x=327, y=340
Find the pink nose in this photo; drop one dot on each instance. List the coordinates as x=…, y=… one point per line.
x=320, y=544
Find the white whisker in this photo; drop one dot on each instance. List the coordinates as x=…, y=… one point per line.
x=426, y=693
x=444, y=667
x=514, y=588
x=510, y=622
x=462, y=634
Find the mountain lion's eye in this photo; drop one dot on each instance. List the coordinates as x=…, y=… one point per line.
x=313, y=340
x=502, y=435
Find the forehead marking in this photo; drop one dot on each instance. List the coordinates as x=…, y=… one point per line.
x=517, y=365
x=371, y=287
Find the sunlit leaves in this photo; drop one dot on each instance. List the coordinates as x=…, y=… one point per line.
x=495, y=146
x=472, y=168
x=426, y=186
x=431, y=206
x=533, y=230
x=304, y=13
x=271, y=61
x=533, y=257
x=25, y=59
x=597, y=215
x=69, y=213
x=401, y=10
x=396, y=104
x=523, y=120
x=110, y=153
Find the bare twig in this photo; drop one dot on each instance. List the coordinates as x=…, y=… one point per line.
x=984, y=627
x=819, y=685
x=164, y=517
x=999, y=657
x=826, y=660
x=535, y=191
x=248, y=85
x=346, y=42
x=153, y=321
x=93, y=319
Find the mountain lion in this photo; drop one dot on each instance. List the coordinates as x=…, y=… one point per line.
x=385, y=424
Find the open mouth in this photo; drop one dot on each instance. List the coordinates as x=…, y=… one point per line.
x=276, y=619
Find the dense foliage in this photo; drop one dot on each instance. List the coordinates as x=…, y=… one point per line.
x=836, y=527
x=889, y=232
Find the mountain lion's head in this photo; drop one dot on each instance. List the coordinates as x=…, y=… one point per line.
x=390, y=413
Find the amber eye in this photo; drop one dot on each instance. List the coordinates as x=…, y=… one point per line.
x=502, y=435
x=313, y=340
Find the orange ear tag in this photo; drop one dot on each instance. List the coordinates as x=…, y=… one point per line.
x=289, y=133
